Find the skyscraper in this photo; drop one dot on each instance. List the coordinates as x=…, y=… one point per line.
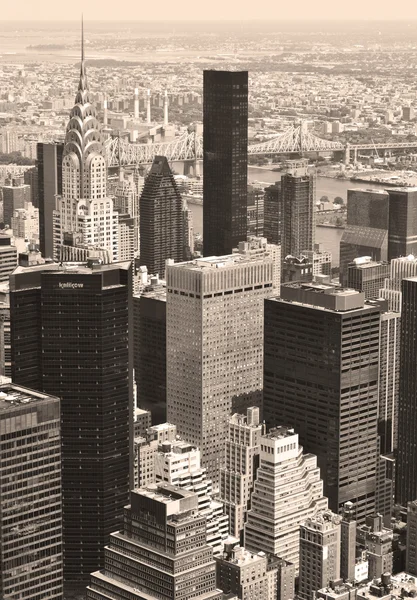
x=402, y=237
x=367, y=276
x=287, y=490
x=161, y=219
x=8, y=257
x=406, y=471
x=400, y=268
x=160, y=552
x=321, y=376
x=241, y=462
x=15, y=195
x=70, y=338
x=49, y=161
x=215, y=342
x=30, y=495
x=150, y=351
x=298, y=188
x=366, y=232
x=225, y=141
x=84, y=214
x=273, y=214
x=319, y=553
x=411, y=554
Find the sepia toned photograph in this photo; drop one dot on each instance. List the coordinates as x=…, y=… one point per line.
x=208, y=301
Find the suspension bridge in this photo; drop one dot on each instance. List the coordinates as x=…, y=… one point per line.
x=189, y=147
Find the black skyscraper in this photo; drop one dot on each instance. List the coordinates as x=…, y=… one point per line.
x=225, y=140
x=49, y=186
x=406, y=471
x=70, y=338
x=149, y=322
x=160, y=214
x=321, y=377
x=402, y=229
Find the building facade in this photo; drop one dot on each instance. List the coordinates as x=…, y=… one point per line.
x=287, y=490
x=161, y=224
x=367, y=276
x=321, y=371
x=161, y=551
x=84, y=213
x=214, y=363
x=30, y=495
x=406, y=470
x=298, y=189
x=8, y=257
x=70, y=338
x=150, y=350
x=49, y=162
x=319, y=553
x=402, y=237
x=241, y=463
x=225, y=147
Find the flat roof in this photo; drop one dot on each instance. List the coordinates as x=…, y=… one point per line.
x=12, y=395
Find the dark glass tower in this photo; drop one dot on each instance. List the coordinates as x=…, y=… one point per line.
x=70, y=338
x=321, y=377
x=225, y=140
x=49, y=185
x=406, y=470
x=150, y=363
x=160, y=214
x=273, y=214
x=402, y=229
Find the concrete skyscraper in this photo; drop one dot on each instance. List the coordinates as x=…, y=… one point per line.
x=319, y=553
x=161, y=551
x=411, y=554
x=225, y=141
x=161, y=219
x=406, y=470
x=287, y=490
x=84, y=216
x=30, y=495
x=70, y=337
x=49, y=161
x=8, y=257
x=241, y=462
x=215, y=342
x=321, y=375
x=298, y=188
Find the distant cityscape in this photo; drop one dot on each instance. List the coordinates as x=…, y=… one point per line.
x=208, y=313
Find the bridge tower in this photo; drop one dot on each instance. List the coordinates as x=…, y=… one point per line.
x=347, y=154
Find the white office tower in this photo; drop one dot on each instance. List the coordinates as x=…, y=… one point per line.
x=241, y=461
x=400, y=268
x=287, y=491
x=319, y=553
x=178, y=463
x=215, y=342
x=84, y=215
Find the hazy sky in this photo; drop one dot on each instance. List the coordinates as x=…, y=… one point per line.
x=205, y=9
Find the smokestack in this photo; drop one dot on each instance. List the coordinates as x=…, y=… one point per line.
x=136, y=103
x=166, y=108
x=105, y=117
x=148, y=108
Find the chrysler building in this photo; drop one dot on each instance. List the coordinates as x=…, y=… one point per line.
x=84, y=218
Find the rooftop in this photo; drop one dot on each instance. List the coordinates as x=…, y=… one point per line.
x=12, y=395
x=279, y=433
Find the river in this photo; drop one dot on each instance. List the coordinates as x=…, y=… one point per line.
x=325, y=186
